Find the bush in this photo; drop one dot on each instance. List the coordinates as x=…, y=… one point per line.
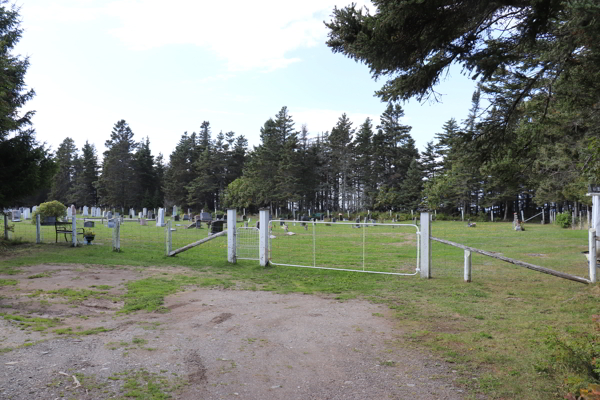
x=563, y=219
x=53, y=208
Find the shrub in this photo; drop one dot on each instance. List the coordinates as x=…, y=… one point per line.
x=563, y=219
x=50, y=209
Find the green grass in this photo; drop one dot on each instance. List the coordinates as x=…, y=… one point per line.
x=508, y=328
x=8, y=282
x=34, y=323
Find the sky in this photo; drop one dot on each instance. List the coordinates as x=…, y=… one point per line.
x=165, y=67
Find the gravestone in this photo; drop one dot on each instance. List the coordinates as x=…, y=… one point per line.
x=198, y=224
x=334, y=220
x=186, y=217
x=357, y=222
x=205, y=217
x=151, y=216
x=85, y=211
x=176, y=218
x=34, y=209
x=140, y=215
x=48, y=221
x=143, y=221
x=281, y=223
x=111, y=223
x=69, y=213
x=216, y=227
x=145, y=212
x=27, y=214
x=88, y=224
x=16, y=216
x=109, y=215
x=22, y=210
x=131, y=213
x=103, y=214
x=219, y=216
x=161, y=218
x=175, y=211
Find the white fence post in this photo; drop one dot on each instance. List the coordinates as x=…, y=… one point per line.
x=263, y=237
x=116, y=236
x=169, y=238
x=425, y=246
x=38, y=229
x=231, y=236
x=467, y=266
x=74, y=230
x=592, y=254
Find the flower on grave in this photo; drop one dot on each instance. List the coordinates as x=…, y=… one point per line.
x=88, y=232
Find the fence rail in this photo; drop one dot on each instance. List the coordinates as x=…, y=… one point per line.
x=508, y=260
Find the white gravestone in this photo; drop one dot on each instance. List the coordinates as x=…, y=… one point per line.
x=145, y=212
x=34, y=209
x=140, y=215
x=26, y=213
x=69, y=213
x=85, y=211
x=174, y=210
x=16, y=216
x=160, y=219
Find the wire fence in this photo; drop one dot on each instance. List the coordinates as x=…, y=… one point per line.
x=365, y=247
x=133, y=233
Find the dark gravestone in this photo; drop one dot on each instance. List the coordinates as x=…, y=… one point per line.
x=109, y=215
x=152, y=216
x=186, y=217
x=198, y=224
x=177, y=218
x=281, y=223
x=334, y=219
x=216, y=227
x=48, y=221
x=219, y=216
x=88, y=224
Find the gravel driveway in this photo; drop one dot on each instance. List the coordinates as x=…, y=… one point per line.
x=211, y=344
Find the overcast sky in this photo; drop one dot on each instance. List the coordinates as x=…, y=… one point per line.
x=165, y=67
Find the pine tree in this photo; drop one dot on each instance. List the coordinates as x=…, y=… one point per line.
x=145, y=178
x=63, y=181
x=180, y=173
x=117, y=186
x=25, y=165
x=340, y=141
x=84, y=190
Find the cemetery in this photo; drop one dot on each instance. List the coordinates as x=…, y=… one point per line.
x=433, y=237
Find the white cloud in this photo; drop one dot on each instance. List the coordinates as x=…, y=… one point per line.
x=244, y=34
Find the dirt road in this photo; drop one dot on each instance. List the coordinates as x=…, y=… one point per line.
x=211, y=344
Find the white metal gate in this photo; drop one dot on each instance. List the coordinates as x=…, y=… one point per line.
x=346, y=246
x=246, y=243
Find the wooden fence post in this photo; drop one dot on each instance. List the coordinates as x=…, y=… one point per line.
x=231, y=236
x=169, y=238
x=38, y=229
x=592, y=254
x=116, y=237
x=467, y=266
x=425, y=265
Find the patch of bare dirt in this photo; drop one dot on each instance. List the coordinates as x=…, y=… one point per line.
x=215, y=344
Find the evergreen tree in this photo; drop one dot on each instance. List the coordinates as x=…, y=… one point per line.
x=84, y=190
x=25, y=165
x=63, y=181
x=180, y=171
x=430, y=161
x=145, y=178
x=363, y=165
x=117, y=186
x=340, y=141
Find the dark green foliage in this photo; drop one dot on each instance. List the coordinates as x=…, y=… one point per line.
x=25, y=165
x=117, y=185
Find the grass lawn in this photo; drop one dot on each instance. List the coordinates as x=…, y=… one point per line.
x=511, y=333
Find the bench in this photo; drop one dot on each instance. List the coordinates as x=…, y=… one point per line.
x=66, y=228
